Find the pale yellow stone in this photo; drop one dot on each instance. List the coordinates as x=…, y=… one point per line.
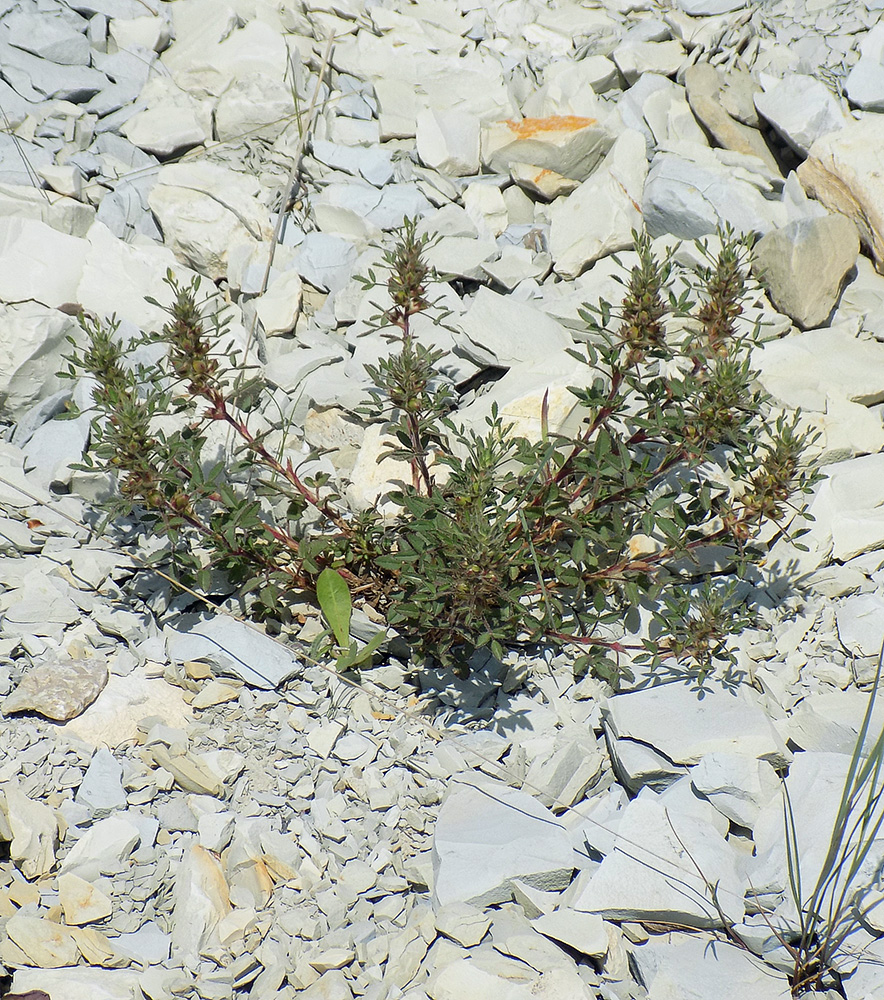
x=81, y=902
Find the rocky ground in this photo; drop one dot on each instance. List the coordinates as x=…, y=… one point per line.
x=219, y=818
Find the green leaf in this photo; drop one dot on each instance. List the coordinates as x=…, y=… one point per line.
x=333, y=595
x=354, y=656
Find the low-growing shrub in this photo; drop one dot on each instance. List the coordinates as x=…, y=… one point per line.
x=521, y=542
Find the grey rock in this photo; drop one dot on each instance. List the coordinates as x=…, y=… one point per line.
x=55, y=37
x=736, y=784
x=232, y=647
x=54, y=448
x=104, y=847
x=35, y=78
x=692, y=190
x=717, y=719
x=861, y=624
x=804, y=266
x=707, y=971
x=488, y=834
x=59, y=691
x=650, y=874
x=102, y=788
x=19, y=158
x=149, y=946
x=703, y=84
x=801, y=109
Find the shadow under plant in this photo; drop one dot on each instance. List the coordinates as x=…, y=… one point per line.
x=496, y=541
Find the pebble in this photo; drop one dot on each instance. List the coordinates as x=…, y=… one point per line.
x=212, y=817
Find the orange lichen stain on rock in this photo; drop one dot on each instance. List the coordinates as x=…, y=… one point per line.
x=526, y=128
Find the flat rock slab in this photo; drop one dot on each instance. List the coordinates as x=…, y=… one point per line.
x=488, y=834
x=804, y=265
x=710, y=970
x=861, y=624
x=232, y=647
x=58, y=691
x=79, y=983
x=652, y=872
x=686, y=725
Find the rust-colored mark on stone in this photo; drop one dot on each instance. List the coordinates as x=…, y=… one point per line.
x=526, y=128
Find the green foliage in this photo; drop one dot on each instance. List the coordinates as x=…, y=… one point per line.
x=333, y=595
x=498, y=541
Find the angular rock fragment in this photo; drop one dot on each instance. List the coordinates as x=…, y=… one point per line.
x=804, y=266
x=58, y=691
x=842, y=170
x=568, y=144
x=31, y=828
x=487, y=834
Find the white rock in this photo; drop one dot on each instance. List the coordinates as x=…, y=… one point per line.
x=502, y=331
x=691, y=190
x=546, y=184
x=279, y=307
x=651, y=873
x=484, y=204
x=736, y=784
x=203, y=209
x=461, y=256
x=256, y=105
x=210, y=57
x=65, y=179
x=721, y=719
x=801, y=109
x=31, y=828
x=166, y=130
x=78, y=983
x=39, y=263
x=635, y=58
x=600, y=216
x=864, y=84
x=849, y=515
x=104, y=846
x=201, y=902
x=462, y=978
x=840, y=171
x=697, y=8
x=112, y=719
x=448, y=141
x=803, y=370
x=488, y=833
x=46, y=944
x=462, y=923
x=81, y=902
x=861, y=624
x=584, y=932
x=149, y=32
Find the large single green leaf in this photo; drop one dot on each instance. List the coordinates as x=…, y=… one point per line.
x=333, y=595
